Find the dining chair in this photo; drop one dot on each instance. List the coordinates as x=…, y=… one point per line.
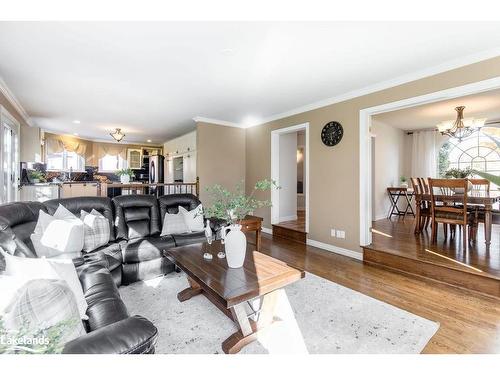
x=445, y=194
x=424, y=187
x=480, y=184
x=477, y=211
x=422, y=211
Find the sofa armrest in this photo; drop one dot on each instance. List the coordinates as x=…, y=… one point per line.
x=134, y=335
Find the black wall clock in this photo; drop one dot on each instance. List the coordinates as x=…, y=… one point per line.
x=332, y=133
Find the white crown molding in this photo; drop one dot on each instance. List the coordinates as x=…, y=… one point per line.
x=4, y=89
x=423, y=73
x=104, y=140
x=335, y=249
x=217, y=122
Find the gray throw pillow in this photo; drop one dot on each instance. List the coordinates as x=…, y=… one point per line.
x=43, y=316
x=95, y=230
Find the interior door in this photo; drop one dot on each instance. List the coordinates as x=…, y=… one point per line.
x=9, y=157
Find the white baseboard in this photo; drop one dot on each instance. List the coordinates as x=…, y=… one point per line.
x=267, y=230
x=336, y=249
x=380, y=217
x=288, y=218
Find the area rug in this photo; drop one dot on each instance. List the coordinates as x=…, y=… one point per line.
x=314, y=315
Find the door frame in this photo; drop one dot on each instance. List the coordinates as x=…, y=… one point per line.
x=5, y=114
x=365, y=153
x=275, y=169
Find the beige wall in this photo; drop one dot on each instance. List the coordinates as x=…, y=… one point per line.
x=390, y=162
x=29, y=137
x=220, y=156
x=334, y=171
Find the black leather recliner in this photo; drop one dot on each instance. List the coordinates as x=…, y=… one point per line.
x=135, y=251
x=138, y=226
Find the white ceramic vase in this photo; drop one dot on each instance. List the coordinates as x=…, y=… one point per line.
x=235, y=243
x=125, y=178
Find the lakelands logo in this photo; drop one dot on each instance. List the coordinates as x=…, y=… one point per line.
x=23, y=341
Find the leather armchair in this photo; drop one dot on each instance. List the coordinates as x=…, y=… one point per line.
x=133, y=335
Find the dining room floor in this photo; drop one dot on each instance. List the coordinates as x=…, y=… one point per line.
x=397, y=236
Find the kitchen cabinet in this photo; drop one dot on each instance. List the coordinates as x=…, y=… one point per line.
x=181, y=148
x=38, y=192
x=70, y=190
x=134, y=158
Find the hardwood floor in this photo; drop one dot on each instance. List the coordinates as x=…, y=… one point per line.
x=294, y=230
x=469, y=322
x=397, y=236
x=297, y=225
x=475, y=268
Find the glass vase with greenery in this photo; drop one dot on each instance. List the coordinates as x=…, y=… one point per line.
x=232, y=207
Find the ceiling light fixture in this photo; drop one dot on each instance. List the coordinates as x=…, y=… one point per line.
x=76, y=121
x=117, y=135
x=149, y=141
x=460, y=128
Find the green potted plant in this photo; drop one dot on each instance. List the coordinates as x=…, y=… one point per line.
x=460, y=173
x=232, y=207
x=125, y=175
x=36, y=176
x=403, y=182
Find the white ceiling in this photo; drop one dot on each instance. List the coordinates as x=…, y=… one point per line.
x=484, y=105
x=151, y=79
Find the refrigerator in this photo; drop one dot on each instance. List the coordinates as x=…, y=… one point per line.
x=156, y=173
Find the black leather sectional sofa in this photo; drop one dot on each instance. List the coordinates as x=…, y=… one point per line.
x=135, y=251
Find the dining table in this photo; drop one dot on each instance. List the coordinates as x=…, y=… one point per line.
x=486, y=199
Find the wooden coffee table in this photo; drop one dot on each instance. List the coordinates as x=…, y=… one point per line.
x=255, y=284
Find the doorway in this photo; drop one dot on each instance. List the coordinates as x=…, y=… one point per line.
x=290, y=168
x=365, y=142
x=9, y=157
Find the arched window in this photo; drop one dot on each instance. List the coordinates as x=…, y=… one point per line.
x=479, y=151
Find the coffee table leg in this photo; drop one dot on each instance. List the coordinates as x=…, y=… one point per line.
x=248, y=330
x=193, y=290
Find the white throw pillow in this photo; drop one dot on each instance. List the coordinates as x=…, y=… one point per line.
x=60, y=235
x=96, y=230
x=43, y=308
x=193, y=218
x=174, y=224
x=43, y=268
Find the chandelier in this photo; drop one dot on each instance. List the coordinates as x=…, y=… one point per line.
x=460, y=128
x=117, y=135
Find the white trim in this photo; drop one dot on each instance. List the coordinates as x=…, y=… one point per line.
x=267, y=230
x=215, y=121
x=365, y=166
x=275, y=219
x=4, y=113
x=4, y=89
x=288, y=218
x=335, y=249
